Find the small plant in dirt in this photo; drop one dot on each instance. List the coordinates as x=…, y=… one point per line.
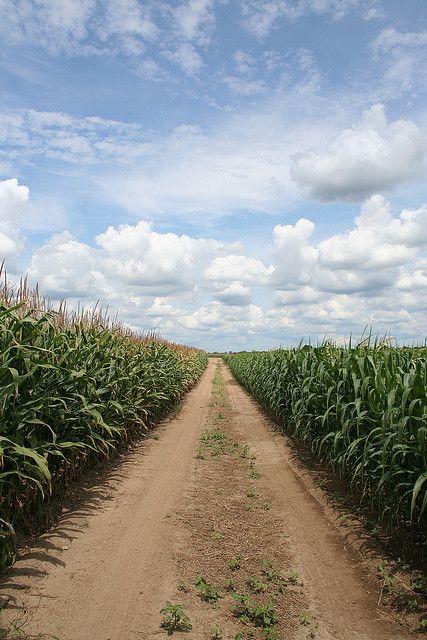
x=217, y=442
x=241, y=607
x=244, y=451
x=183, y=586
x=422, y=626
x=256, y=585
x=273, y=575
x=268, y=569
x=253, y=471
x=411, y=604
x=207, y=592
x=216, y=633
x=419, y=584
x=217, y=534
x=174, y=618
x=230, y=585
x=389, y=583
x=270, y=634
x=251, y=492
x=235, y=563
x=250, y=611
x=15, y=630
x=408, y=599
x=292, y=576
x=304, y=619
x=263, y=616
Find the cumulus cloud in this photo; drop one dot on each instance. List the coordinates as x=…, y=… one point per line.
x=371, y=156
x=135, y=259
x=217, y=317
x=235, y=294
x=203, y=291
x=379, y=252
x=294, y=255
x=237, y=267
x=137, y=255
x=13, y=206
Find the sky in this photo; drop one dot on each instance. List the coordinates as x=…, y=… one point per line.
x=233, y=174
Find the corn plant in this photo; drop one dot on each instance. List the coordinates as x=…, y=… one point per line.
x=73, y=390
x=362, y=408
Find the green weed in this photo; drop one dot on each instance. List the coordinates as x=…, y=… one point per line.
x=174, y=618
x=235, y=563
x=207, y=592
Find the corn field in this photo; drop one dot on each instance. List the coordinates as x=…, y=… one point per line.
x=362, y=409
x=73, y=389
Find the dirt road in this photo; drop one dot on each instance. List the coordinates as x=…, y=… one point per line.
x=214, y=493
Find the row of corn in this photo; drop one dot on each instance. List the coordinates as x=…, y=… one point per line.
x=71, y=392
x=362, y=409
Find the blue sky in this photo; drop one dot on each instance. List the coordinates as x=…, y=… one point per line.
x=233, y=174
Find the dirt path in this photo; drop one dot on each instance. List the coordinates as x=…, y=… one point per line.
x=213, y=494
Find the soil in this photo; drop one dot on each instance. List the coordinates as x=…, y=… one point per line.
x=215, y=493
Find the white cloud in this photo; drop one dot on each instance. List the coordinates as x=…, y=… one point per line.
x=390, y=38
x=368, y=259
x=29, y=133
x=149, y=69
x=294, y=255
x=244, y=87
x=127, y=262
x=13, y=206
x=245, y=62
x=128, y=19
x=369, y=157
x=302, y=295
x=194, y=19
x=138, y=256
x=415, y=281
x=187, y=58
x=403, y=59
x=242, y=165
x=237, y=267
x=201, y=291
x=64, y=267
x=235, y=294
x=55, y=24
x=80, y=27
x=260, y=16
x=409, y=229
x=161, y=308
x=218, y=317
